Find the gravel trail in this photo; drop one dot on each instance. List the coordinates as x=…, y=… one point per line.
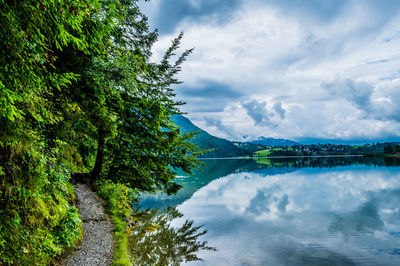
x=97, y=244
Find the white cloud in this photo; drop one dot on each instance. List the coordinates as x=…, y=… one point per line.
x=380, y=102
x=339, y=190
x=301, y=209
x=264, y=56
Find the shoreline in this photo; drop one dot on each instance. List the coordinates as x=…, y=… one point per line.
x=284, y=157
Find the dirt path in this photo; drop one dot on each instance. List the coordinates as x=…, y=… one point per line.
x=97, y=244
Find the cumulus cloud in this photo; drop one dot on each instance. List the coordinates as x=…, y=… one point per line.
x=288, y=52
x=208, y=95
x=387, y=104
x=358, y=93
x=262, y=115
x=259, y=113
x=279, y=110
x=172, y=12
x=378, y=102
x=325, y=12
x=211, y=89
x=212, y=122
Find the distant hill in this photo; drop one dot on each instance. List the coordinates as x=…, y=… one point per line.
x=222, y=147
x=273, y=142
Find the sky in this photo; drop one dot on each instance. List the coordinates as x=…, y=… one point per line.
x=303, y=70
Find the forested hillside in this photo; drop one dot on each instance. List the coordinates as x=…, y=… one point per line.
x=80, y=98
x=217, y=147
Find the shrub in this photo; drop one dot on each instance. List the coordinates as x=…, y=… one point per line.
x=37, y=221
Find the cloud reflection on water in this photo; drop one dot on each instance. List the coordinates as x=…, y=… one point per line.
x=339, y=216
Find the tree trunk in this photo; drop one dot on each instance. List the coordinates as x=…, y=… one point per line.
x=90, y=177
x=99, y=156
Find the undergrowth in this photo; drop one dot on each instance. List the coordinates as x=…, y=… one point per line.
x=37, y=220
x=118, y=198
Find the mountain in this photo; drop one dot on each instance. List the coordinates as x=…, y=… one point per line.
x=221, y=147
x=273, y=142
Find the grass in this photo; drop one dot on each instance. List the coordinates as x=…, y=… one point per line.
x=262, y=153
x=118, y=199
x=268, y=152
x=121, y=252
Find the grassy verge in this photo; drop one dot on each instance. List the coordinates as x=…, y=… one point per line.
x=118, y=199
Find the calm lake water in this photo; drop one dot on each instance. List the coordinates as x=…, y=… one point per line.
x=312, y=211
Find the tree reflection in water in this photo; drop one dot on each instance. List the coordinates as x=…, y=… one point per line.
x=155, y=241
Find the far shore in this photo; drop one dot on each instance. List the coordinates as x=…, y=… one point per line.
x=281, y=157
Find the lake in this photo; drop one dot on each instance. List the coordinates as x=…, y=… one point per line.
x=300, y=211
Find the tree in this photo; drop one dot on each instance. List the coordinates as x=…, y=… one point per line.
x=388, y=149
x=397, y=148
x=36, y=220
x=79, y=94
x=130, y=103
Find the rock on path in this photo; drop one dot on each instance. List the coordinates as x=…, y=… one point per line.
x=97, y=244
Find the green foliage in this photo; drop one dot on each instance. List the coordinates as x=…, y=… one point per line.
x=79, y=96
x=388, y=149
x=144, y=148
x=397, y=148
x=376, y=149
x=119, y=199
x=37, y=221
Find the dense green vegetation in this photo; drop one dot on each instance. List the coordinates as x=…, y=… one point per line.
x=325, y=162
x=377, y=149
x=80, y=98
x=391, y=149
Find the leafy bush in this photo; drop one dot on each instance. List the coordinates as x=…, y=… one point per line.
x=118, y=198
